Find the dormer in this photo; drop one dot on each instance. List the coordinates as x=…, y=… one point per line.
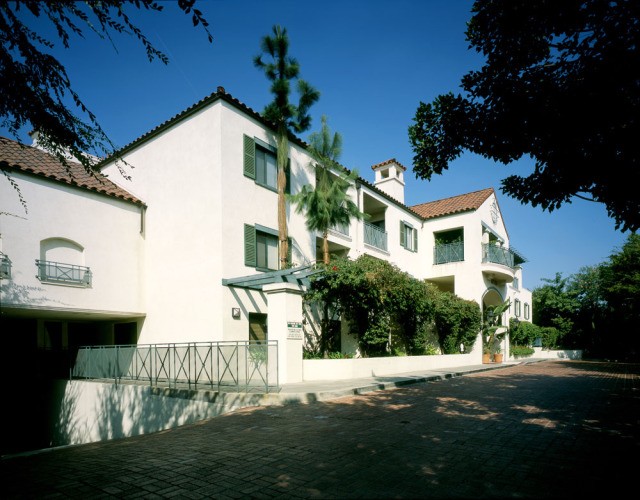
x=390, y=178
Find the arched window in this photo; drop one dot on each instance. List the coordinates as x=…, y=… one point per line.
x=62, y=262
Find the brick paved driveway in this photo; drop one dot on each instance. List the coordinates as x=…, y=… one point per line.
x=564, y=429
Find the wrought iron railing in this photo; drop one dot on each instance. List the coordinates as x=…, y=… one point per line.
x=497, y=255
x=5, y=266
x=449, y=252
x=226, y=365
x=375, y=236
x=55, y=272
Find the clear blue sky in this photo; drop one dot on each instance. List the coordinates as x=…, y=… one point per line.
x=373, y=62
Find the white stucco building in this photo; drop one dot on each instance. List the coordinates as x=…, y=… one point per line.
x=167, y=255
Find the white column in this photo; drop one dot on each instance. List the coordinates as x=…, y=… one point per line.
x=284, y=324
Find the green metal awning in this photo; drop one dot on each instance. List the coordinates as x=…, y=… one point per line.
x=297, y=276
x=518, y=257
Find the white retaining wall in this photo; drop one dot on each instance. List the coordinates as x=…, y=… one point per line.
x=541, y=353
x=98, y=411
x=340, y=369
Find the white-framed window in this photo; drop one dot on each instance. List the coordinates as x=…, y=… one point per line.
x=517, y=308
x=408, y=236
x=527, y=310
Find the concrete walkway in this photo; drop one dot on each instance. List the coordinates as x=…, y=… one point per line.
x=552, y=429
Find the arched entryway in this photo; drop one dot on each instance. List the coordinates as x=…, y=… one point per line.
x=494, y=344
x=491, y=298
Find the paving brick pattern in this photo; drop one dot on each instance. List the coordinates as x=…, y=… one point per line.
x=558, y=429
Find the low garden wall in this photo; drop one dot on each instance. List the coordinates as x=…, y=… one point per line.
x=541, y=353
x=340, y=369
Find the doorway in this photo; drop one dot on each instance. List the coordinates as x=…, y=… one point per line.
x=257, y=327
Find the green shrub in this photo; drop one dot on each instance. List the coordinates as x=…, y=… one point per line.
x=390, y=312
x=521, y=351
x=550, y=337
x=523, y=333
x=311, y=354
x=457, y=321
x=339, y=355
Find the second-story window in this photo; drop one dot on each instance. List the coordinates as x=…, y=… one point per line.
x=61, y=262
x=517, y=308
x=261, y=247
x=408, y=236
x=266, y=251
x=266, y=168
x=527, y=312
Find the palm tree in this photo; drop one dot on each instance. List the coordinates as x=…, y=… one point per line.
x=328, y=205
x=281, y=71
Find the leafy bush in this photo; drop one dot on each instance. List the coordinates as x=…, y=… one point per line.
x=457, y=321
x=389, y=311
x=550, y=337
x=521, y=351
x=523, y=333
x=310, y=354
x=339, y=355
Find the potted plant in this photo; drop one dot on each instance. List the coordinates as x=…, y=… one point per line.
x=486, y=354
x=497, y=354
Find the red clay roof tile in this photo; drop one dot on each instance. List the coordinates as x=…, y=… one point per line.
x=21, y=157
x=453, y=205
x=387, y=162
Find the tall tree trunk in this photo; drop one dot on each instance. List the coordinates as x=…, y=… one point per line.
x=283, y=234
x=325, y=247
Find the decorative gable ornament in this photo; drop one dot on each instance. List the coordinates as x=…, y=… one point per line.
x=495, y=215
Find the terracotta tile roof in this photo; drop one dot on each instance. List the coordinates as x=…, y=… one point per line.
x=23, y=158
x=453, y=205
x=387, y=162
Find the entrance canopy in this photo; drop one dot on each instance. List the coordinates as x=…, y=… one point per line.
x=297, y=276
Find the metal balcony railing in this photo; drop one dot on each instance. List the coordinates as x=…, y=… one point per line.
x=375, y=236
x=498, y=255
x=55, y=272
x=449, y=252
x=239, y=366
x=341, y=229
x=5, y=266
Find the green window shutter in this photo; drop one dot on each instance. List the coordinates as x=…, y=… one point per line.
x=403, y=242
x=415, y=240
x=249, y=246
x=249, y=157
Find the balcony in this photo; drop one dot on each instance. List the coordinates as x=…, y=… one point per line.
x=342, y=229
x=499, y=263
x=500, y=255
x=375, y=236
x=448, y=252
x=5, y=266
x=67, y=274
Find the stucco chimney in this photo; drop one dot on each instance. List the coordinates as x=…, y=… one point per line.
x=390, y=178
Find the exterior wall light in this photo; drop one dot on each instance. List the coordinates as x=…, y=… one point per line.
x=235, y=312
